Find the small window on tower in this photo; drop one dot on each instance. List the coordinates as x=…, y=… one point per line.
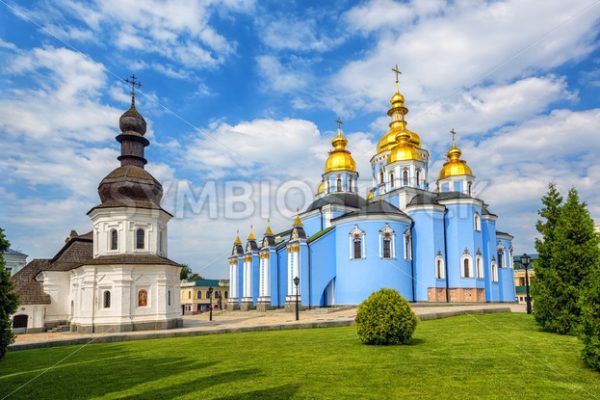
x=139, y=238
x=392, y=179
x=418, y=176
x=405, y=178
x=114, y=239
x=339, y=184
x=380, y=176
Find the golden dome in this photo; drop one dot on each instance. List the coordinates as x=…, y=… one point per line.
x=389, y=140
x=397, y=100
x=321, y=187
x=268, y=231
x=454, y=166
x=339, y=158
x=297, y=221
x=404, y=150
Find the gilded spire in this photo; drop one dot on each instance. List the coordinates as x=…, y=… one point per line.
x=268, y=231
x=237, y=238
x=297, y=220
x=454, y=166
x=251, y=235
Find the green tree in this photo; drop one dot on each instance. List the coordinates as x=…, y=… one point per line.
x=590, y=324
x=574, y=254
x=185, y=272
x=544, y=303
x=8, y=299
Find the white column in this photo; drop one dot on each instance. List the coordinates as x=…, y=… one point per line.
x=266, y=289
x=261, y=279
x=290, y=272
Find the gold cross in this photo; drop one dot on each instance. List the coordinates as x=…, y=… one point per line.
x=339, y=122
x=397, y=72
x=453, y=132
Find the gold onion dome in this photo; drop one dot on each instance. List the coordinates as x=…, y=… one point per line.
x=339, y=158
x=321, y=187
x=397, y=111
x=404, y=150
x=454, y=166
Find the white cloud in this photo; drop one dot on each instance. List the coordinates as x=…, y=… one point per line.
x=299, y=35
x=279, y=77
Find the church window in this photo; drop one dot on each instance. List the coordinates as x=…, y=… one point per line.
x=350, y=184
x=494, y=272
x=114, y=239
x=380, y=176
x=466, y=265
x=391, y=179
x=407, y=246
x=139, y=238
x=142, y=298
x=168, y=297
x=479, y=265
x=357, y=246
x=418, y=176
x=199, y=294
x=405, y=178
x=440, y=272
x=160, y=241
x=477, y=222
x=500, y=258
x=357, y=243
x=387, y=246
x=469, y=188
x=106, y=299
x=339, y=184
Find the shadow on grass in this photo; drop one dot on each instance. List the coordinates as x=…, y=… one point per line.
x=283, y=392
x=194, y=386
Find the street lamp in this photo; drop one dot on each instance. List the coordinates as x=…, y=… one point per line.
x=297, y=282
x=525, y=260
x=210, y=292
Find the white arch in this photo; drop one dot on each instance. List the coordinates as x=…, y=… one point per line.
x=468, y=271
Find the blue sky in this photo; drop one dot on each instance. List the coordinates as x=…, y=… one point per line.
x=249, y=91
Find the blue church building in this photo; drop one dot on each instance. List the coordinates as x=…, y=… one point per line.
x=431, y=239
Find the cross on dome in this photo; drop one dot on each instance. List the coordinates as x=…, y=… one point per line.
x=397, y=72
x=453, y=133
x=134, y=83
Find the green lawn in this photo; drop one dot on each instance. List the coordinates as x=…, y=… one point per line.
x=494, y=356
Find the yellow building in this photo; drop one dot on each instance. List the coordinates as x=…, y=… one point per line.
x=195, y=299
x=519, y=274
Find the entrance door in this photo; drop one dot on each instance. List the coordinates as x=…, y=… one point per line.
x=20, y=323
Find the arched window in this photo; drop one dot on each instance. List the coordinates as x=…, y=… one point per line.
x=142, y=298
x=339, y=184
x=466, y=265
x=440, y=271
x=500, y=257
x=405, y=177
x=380, y=176
x=106, y=299
x=114, y=239
x=168, y=297
x=160, y=242
x=387, y=246
x=139, y=238
x=387, y=238
x=357, y=244
x=418, y=176
x=469, y=188
x=391, y=179
x=477, y=222
x=407, y=246
x=350, y=184
x=479, y=265
x=494, y=272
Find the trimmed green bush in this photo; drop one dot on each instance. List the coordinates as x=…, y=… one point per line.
x=385, y=318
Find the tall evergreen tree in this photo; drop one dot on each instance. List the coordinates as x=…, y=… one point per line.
x=544, y=303
x=8, y=299
x=574, y=254
x=590, y=324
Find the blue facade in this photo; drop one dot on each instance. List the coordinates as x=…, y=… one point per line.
x=438, y=245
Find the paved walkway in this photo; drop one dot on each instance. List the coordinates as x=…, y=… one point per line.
x=243, y=321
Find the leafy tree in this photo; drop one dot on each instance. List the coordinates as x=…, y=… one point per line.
x=573, y=254
x=545, y=278
x=187, y=274
x=8, y=299
x=385, y=318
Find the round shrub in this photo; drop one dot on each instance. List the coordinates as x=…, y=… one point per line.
x=385, y=318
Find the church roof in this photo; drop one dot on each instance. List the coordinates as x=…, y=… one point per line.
x=452, y=195
x=11, y=252
x=379, y=207
x=423, y=199
x=30, y=291
x=341, y=199
x=135, y=259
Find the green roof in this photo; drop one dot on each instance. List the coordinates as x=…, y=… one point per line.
x=207, y=282
x=320, y=234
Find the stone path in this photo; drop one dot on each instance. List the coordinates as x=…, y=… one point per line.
x=244, y=321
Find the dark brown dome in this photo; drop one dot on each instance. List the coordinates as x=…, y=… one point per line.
x=132, y=120
x=130, y=185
